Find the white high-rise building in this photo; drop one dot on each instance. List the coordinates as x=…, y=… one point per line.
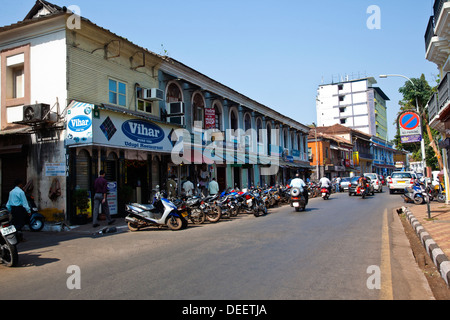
x=356, y=104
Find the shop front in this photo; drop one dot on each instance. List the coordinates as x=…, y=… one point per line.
x=134, y=151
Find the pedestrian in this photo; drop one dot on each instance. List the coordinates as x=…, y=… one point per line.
x=213, y=187
x=100, y=199
x=188, y=187
x=18, y=205
x=171, y=187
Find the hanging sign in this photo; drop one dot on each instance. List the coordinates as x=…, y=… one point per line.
x=410, y=127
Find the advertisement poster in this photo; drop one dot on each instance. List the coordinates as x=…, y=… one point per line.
x=112, y=198
x=210, y=118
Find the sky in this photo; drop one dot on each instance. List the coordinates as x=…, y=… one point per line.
x=275, y=52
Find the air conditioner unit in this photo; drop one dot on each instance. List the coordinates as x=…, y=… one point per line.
x=153, y=94
x=36, y=112
x=178, y=120
x=175, y=108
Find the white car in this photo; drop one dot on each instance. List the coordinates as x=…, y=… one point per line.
x=400, y=180
x=376, y=182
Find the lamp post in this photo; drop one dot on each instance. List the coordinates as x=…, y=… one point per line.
x=317, y=150
x=384, y=76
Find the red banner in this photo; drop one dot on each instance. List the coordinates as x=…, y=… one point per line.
x=210, y=118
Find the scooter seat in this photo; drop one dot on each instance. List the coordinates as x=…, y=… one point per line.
x=145, y=207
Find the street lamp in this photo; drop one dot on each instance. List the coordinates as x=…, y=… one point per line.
x=384, y=76
x=317, y=150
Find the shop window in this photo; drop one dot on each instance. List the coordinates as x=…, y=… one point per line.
x=117, y=93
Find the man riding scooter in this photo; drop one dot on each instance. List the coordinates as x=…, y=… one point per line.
x=362, y=185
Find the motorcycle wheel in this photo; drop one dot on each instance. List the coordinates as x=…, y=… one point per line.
x=174, y=223
x=9, y=255
x=418, y=200
x=37, y=225
x=133, y=227
x=214, y=214
x=441, y=198
x=197, y=216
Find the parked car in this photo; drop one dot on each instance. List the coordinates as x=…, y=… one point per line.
x=344, y=183
x=354, y=184
x=376, y=182
x=398, y=181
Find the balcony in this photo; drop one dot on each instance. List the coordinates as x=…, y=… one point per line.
x=438, y=106
x=437, y=35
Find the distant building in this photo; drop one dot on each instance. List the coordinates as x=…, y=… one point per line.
x=355, y=104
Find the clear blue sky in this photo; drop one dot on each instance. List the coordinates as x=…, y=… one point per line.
x=275, y=52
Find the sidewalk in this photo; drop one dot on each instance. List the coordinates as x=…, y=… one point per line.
x=433, y=232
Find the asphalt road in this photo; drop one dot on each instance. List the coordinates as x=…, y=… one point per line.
x=328, y=252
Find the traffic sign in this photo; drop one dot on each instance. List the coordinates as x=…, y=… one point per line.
x=410, y=127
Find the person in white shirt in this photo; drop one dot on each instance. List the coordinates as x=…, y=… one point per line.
x=188, y=187
x=300, y=184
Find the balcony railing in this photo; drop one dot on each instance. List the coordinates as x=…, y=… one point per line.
x=433, y=107
x=438, y=4
x=430, y=33
x=441, y=99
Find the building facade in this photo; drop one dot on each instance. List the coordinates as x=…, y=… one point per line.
x=437, y=50
x=356, y=104
x=77, y=98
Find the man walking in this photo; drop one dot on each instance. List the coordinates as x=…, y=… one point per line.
x=101, y=192
x=18, y=205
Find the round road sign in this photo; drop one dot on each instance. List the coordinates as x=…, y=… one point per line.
x=409, y=121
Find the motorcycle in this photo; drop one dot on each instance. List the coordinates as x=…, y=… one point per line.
x=362, y=191
x=160, y=214
x=325, y=193
x=8, y=240
x=251, y=202
x=297, y=200
x=209, y=206
x=416, y=194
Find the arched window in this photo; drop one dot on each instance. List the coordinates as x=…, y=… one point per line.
x=218, y=110
x=233, y=120
x=247, y=122
x=285, y=138
x=269, y=137
x=173, y=93
x=259, y=129
x=198, y=106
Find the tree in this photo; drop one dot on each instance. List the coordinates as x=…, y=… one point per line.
x=419, y=93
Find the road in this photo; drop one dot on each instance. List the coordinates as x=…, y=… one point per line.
x=328, y=252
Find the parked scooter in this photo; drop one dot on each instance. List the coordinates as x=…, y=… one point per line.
x=8, y=240
x=297, y=200
x=35, y=220
x=416, y=194
x=160, y=214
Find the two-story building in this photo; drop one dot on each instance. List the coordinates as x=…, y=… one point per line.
x=437, y=48
x=77, y=98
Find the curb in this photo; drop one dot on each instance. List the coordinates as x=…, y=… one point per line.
x=438, y=256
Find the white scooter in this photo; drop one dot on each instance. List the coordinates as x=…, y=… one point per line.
x=161, y=213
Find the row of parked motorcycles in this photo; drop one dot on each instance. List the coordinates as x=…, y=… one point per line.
x=176, y=213
x=419, y=193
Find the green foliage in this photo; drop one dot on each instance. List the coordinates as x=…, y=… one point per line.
x=415, y=94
